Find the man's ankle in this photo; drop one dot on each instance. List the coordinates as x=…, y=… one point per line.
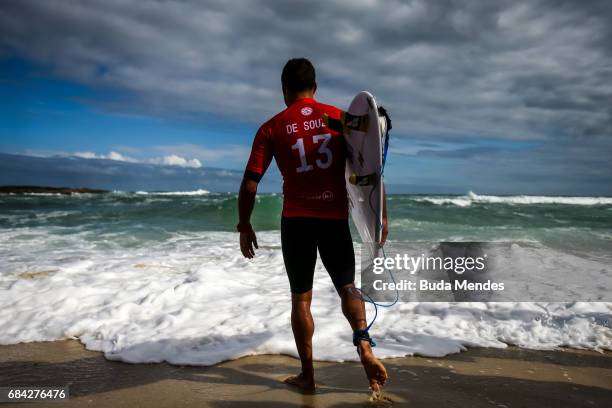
x=365, y=349
x=308, y=372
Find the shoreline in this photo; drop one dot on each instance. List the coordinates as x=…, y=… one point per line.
x=478, y=377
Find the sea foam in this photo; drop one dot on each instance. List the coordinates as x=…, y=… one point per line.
x=472, y=198
x=193, y=299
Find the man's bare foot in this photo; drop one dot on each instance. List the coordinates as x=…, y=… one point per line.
x=301, y=381
x=375, y=370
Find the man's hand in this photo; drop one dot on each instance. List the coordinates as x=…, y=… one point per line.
x=246, y=202
x=248, y=244
x=385, y=230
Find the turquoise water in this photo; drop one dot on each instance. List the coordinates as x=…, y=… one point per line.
x=582, y=225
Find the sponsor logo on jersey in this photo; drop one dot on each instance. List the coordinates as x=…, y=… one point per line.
x=307, y=110
x=328, y=195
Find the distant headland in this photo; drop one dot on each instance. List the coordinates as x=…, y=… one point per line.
x=50, y=190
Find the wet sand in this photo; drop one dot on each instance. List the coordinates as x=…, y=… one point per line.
x=477, y=378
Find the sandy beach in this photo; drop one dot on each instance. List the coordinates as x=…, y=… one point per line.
x=480, y=377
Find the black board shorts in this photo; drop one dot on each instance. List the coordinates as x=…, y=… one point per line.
x=300, y=239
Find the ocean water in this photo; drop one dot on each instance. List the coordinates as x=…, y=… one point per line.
x=149, y=277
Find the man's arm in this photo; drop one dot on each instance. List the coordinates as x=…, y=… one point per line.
x=246, y=202
x=259, y=160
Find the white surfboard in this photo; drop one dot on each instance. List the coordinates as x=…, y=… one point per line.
x=365, y=133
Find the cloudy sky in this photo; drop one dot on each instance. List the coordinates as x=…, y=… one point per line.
x=498, y=97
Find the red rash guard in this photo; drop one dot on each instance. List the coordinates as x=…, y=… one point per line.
x=310, y=156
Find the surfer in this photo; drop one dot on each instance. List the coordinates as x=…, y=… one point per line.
x=311, y=159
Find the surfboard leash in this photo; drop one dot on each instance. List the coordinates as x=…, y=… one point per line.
x=364, y=335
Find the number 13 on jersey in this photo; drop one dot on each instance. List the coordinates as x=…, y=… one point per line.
x=323, y=141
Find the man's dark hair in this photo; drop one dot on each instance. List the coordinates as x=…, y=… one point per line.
x=298, y=75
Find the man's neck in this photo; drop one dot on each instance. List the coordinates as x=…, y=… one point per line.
x=300, y=95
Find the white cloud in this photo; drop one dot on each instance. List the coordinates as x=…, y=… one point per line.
x=170, y=160
x=227, y=152
x=118, y=157
x=174, y=160
x=110, y=156
x=86, y=155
